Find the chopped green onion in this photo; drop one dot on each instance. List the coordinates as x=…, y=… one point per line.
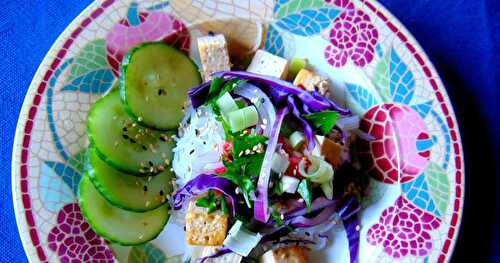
x=297, y=139
x=226, y=103
x=279, y=163
x=241, y=103
x=295, y=66
x=240, y=240
x=319, y=171
x=327, y=189
x=242, y=118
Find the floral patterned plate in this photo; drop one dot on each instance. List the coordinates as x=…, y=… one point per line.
x=377, y=68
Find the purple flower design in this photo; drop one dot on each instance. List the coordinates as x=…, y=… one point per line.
x=403, y=229
x=74, y=241
x=352, y=36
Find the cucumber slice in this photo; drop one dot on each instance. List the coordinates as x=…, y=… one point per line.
x=128, y=192
x=124, y=144
x=118, y=225
x=154, y=81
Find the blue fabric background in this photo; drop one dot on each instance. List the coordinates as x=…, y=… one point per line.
x=461, y=37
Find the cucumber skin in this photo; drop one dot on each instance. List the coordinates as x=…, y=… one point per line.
x=100, y=233
x=101, y=189
x=123, y=70
x=101, y=155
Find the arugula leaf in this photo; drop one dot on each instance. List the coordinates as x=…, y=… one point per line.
x=215, y=86
x=324, y=121
x=219, y=87
x=305, y=191
x=212, y=202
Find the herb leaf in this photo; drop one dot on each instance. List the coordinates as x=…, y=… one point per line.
x=212, y=202
x=305, y=191
x=324, y=121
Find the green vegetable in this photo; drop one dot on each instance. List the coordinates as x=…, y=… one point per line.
x=276, y=217
x=277, y=189
x=323, y=121
x=218, y=88
x=297, y=139
x=295, y=66
x=320, y=171
x=244, y=167
x=212, y=202
x=242, y=118
x=305, y=191
x=327, y=188
x=226, y=103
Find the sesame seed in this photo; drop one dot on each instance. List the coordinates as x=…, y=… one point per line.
x=161, y=192
x=149, y=178
x=247, y=151
x=282, y=216
x=147, y=203
x=145, y=188
x=271, y=185
x=161, y=168
x=151, y=169
x=358, y=227
x=146, y=98
x=171, y=169
x=167, y=161
x=141, y=236
x=116, y=143
x=301, y=200
x=144, y=147
x=263, y=126
x=264, y=121
x=237, y=190
x=115, y=117
x=134, y=124
x=240, y=154
x=140, y=119
x=150, y=163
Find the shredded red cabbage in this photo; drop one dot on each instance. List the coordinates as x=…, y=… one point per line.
x=261, y=205
x=350, y=226
x=302, y=221
x=201, y=184
x=308, y=132
x=317, y=204
x=216, y=255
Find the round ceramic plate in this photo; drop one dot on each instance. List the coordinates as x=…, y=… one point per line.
x=376, y=67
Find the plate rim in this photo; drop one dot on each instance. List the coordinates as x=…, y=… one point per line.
x=96, y=8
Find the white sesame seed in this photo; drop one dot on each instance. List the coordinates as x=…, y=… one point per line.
x=140, y=119
x=301, y=200
x=282, y=216
x=358, y=227
x=241, y=153
x=247, y=151
x=147, y=203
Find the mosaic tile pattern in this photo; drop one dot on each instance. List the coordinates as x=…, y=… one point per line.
x=376, y=67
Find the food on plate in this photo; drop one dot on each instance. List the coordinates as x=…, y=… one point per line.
x=254, y=167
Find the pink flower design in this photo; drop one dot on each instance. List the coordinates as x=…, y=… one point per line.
x=74, y=241
x=403, y=229
x=341, y=3
x=352, y=36
x=154, y=26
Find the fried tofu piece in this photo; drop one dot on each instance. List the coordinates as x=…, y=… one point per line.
x=226, y=258
x=214, y=55
x=204, y=229
x=312, y=82
x=293, y=254
x=329, y=149
x=265, y=63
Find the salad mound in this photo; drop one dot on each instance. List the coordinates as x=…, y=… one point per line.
x=260, y=166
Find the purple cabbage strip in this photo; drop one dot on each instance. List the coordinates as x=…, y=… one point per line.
x=261, y=203
x=216, y=255
x=199, y=94
x=301, y=221
x=350, y=226
x=201, y=184
x=333, y=106
x=317, y=204
x=282, y=85
x=349, y=208
x=308, y=132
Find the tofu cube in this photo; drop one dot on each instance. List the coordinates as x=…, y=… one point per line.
x=312, y=82
x=329, y=149
x=265, y=63
x=214, y=55
x=204, y=229
x=293, y=254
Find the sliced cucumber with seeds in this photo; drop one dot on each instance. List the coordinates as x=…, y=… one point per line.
x=154, y=81
x=126, y=191
x=124, y=144
x=118, y=225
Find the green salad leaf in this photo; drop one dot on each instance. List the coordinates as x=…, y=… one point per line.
x=323, y=121
x=213, y=202
x=305, y=190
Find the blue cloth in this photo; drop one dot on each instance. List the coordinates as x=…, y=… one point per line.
x=461, y=37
